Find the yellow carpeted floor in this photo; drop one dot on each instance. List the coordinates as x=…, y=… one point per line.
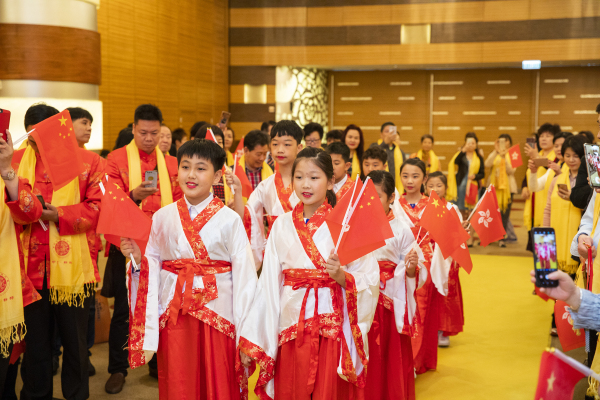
x=506, y=329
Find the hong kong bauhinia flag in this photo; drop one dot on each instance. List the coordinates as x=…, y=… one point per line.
x=515, y=156
x=487, y=220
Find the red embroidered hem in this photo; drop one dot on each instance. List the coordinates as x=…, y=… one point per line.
x=266, y=364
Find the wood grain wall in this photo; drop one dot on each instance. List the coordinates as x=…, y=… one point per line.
x=170, y=53
x=485, y=101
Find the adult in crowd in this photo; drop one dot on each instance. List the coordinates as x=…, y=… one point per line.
x=389, y=141
x=427, y=155
x=465, y=171
x=265, y=127
x=18, y=207
x=582, y=192
x=334, y=135
x=313, y=134
x=166, y=139
x=66, y=220
x=533, y=213
x=127, y=167
x=256, y=147
x=179, y=137
x=354, y=139
x=559, y=212
x=557, y=143
x=502, y=176
x=229, y=138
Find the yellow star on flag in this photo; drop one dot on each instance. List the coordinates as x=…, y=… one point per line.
x=361, y=206
x=63, y=121
x=435, y=203
x=551, y=382
x=115, y=197
x=368, y=204
x=122, y=199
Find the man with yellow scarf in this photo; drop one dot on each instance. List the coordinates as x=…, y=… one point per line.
x=127, y=167
x=390, y=142
x=426, y=154
x=59, y=264
x=18, y=207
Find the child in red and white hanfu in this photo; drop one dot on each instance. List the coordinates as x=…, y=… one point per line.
x=308, y=326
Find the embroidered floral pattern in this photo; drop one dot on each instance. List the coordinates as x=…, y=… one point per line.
x=266, y=364
x=283, y=193
x=137, y=319
x=330, y=325
x=25, y=201
x=352, y=304
x=81, y=225
x=306, y=231
x=344, y=189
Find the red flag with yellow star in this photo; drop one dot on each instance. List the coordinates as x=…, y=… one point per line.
x=558, y=378
x=443, y=226
x=120, y=217
x=58, y=148
x=369, y=226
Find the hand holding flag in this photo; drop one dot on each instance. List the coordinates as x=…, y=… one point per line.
x=488, y=220
x=558, y=376
x=358, y=223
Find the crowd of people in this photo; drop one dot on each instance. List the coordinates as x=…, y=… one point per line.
x=252, y=282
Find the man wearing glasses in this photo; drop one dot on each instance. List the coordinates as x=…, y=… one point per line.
x=313, y=134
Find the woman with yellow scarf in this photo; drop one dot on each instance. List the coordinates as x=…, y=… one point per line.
x=426, y=154
x=502, y=176
x=354, y=139
x=559, y=212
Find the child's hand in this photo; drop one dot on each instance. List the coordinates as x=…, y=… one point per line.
x=129, y=246
x=245, y=359
x=467, y=226
x=233, y=181
x=335, y=270
x=410, y=261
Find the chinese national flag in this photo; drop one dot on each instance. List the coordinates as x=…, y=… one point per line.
x=463, y=258
x=570, y=338
x=487, y=220
x=368, y=226
x=439, y=222
x=515, y=156
x=557, y=379
x=58, y=148
x=120, y=217
x=239, y=171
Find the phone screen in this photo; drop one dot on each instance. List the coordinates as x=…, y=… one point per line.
x=502, y=144
x=544, y=255
x=592, y=160
x=531, y=142
x=152, y=177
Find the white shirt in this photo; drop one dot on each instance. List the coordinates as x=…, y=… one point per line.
x=338, y=186
x=198, y=208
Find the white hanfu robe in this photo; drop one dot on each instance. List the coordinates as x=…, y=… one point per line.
x=264, y=200
x=152, y=289
x=277, y=307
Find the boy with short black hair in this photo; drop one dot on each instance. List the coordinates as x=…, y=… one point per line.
x=274, y=196
x=82, y=124
x=340, y=156
x=334, y=135
x=199, y=242
x=374, y=159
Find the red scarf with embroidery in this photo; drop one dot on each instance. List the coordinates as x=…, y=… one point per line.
x=344, y=189
x=283, y=193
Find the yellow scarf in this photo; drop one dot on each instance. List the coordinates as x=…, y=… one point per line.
x=452, y=192
x=540, y=198
x=71, y=268
x=434, y=161
x=355, y=167
x=499, y=178
x=265, y=172
x=12, y=320
x=230, y=160
x=565, y=218
x=135, y=173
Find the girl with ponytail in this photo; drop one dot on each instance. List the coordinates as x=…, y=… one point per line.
x=296, y=331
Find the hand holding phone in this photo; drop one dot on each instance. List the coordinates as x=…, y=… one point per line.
x=41, y=199
x=592, y=161
x=544, y=256
x=152, y=177
x=224, y=120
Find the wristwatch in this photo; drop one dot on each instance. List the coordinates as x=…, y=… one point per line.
x=9, y=176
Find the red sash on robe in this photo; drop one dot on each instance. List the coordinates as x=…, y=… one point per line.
x=344, y=189
x=283, y=194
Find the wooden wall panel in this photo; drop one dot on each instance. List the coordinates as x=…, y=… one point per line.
x=50, y=53
x=172, y=54
x=485, y=101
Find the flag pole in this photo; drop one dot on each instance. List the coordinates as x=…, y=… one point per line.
x=575, y=364
x=351, y=211
x=234, y=165
x=423, y=238
x=345, y=217
x=25, y=136
x=477, y=205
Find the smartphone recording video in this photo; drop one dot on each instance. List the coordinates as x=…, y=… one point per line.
x=592, y=161
x=544, y=256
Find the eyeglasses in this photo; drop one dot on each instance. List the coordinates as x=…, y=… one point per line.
x=313, y=141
